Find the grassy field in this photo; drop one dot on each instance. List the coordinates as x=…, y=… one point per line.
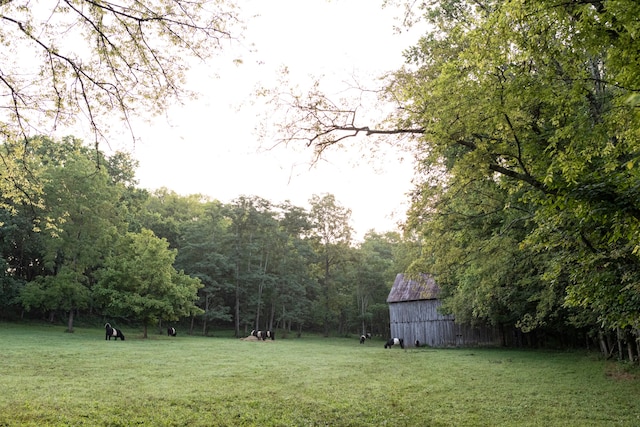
x=51, y=378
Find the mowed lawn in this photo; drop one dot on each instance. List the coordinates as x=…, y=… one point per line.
x=52, y=378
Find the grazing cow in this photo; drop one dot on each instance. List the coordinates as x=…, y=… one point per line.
x=394, y=341
x=417, y=343
x=113, y=332
x=270, y=334
x=365, y=337
x=171, y=332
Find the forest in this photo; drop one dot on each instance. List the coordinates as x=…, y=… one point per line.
x=523, y=119
x=92, y=243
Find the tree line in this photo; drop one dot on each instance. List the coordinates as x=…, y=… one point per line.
x=523, y=120
x=88, y=241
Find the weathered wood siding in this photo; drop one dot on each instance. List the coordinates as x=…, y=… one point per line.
x=420, y=320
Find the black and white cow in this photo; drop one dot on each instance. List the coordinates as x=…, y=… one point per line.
x=394, y=341
x=113, y=332
x=171, y=332
x=261, y=335
x=365, y=337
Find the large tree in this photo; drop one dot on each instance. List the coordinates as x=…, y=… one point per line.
x=79, y=217
x=203, y=254
x=331, y=239
x=288, y=301
x=251, y=223
x=535, y=97
x=140, y=283
x=541, y=98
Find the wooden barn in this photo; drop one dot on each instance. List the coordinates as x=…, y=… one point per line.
x=413, y=311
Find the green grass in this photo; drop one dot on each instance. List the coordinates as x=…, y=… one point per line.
x=51, y=378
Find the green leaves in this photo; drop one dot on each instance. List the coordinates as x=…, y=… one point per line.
x=536, y=99
x=102, y=61
x=139, y=280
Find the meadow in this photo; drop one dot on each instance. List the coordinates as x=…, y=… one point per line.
x=52, y=378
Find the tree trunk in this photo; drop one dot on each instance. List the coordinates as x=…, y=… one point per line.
x=619, y=341
x=70, y=321
x=326, y=295
x=237, y=311
x=263, y=272
x=610, y=345
x=144, y=334
x=603, y=344
x=237, y=302
x=272, y=316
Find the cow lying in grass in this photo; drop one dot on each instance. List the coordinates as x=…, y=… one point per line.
x=263, y=335
x=394, y=341
x=171, y=332
x=113, y=332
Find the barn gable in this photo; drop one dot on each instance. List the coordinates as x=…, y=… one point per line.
x=413, y=310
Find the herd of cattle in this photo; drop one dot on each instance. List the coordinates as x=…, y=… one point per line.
x=261, y=335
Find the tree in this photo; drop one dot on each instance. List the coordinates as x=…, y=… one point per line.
x=542, y=99
x=331, y=236
x=252, y=220
x=167, y=213
x=100, y=60
x=529, y=96
x=67, y=290
x=289, y=300
x=139, y=282
x=79, y=218
x=377, y=267
x=203, y=254
x=89, y=64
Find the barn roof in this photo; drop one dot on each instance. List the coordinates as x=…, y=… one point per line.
x=422, y=287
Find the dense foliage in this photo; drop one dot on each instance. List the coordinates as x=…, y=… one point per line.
x=523, y=118
x=91, y=242
x=529, y=117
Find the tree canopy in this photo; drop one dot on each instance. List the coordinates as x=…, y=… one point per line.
x=138, y=281
x=94, y=245
x=523, y=119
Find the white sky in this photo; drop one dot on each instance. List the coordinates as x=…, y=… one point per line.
x=209, y=146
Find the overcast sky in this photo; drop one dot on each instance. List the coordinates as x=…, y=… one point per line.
x=210, y=146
